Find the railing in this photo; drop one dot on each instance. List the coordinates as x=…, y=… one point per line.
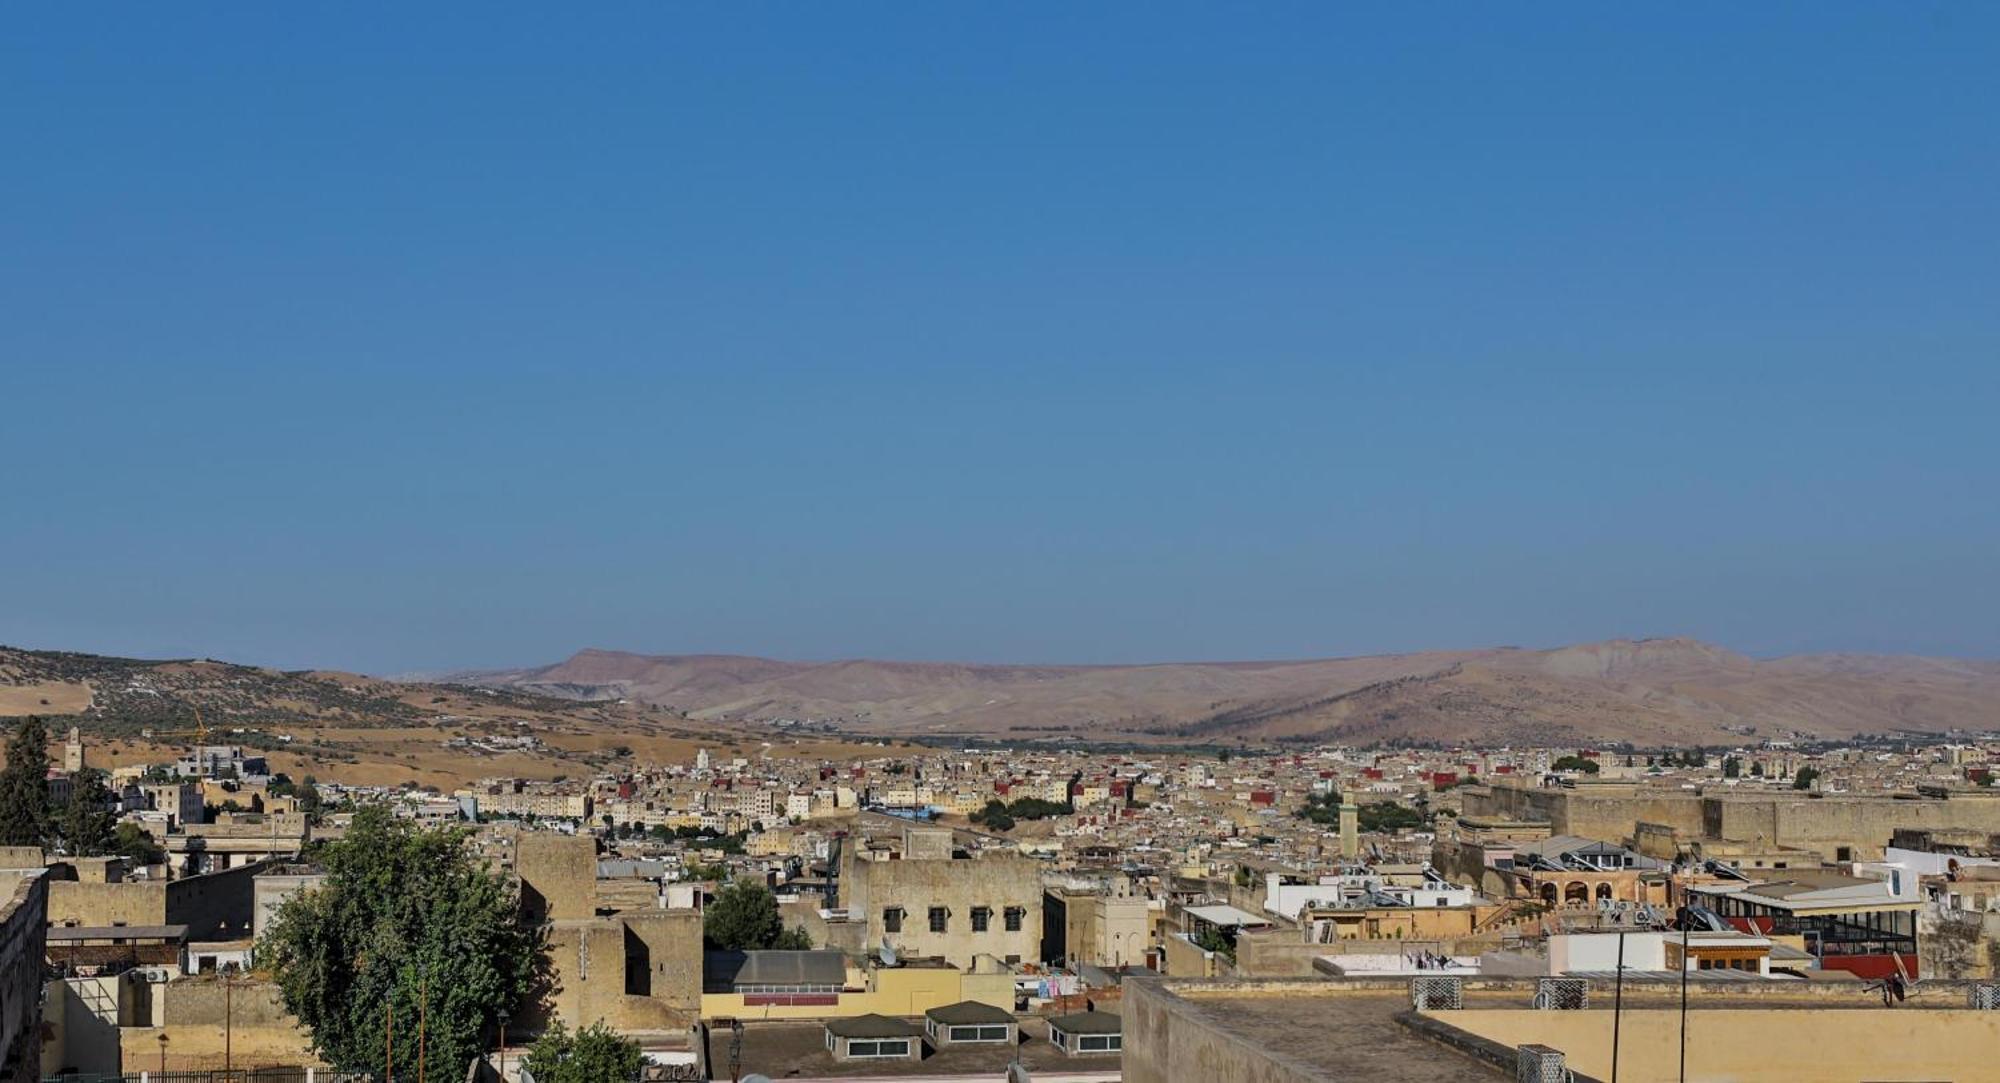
x=281, y=1074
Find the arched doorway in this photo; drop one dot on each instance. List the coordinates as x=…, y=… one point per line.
x=1576, y=894
x=1551, y=895
x=1604, y=892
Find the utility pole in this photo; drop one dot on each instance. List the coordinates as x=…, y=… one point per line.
x=1684, y=1005
x=228, y=1017
x=504, y=1016
x=1617, y=1006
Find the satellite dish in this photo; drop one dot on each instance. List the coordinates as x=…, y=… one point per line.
x=888, y=953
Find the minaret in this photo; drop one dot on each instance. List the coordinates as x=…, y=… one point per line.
x=73, y=751
x=1350, y=827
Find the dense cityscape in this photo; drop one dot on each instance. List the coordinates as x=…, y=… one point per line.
x=964, y=912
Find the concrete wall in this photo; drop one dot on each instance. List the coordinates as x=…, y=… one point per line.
x=902, y=991
x=1166, y=1042
x=80, y=1019
x=217, y=905
x=1751, y=1045
x=260, y=1031
x=1822, y=824
x=23, y=945
x=214, y=906
x=1862, y=824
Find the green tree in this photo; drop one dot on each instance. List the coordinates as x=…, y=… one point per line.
x=310, y=802
x=1575, y=763
x=595, y=1054
x=406, y=916
x=744, y=917
x=994, y=816
x=133, y=843
x=1805, y=778
x=85, y=826
x=1732, y=767
x=24, y=786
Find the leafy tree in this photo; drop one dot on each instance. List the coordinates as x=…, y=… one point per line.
x=744, y=917
x=1575, y=763
x=1215, y=940
x=133, y=843
x=310, y=801
x=1732, y=768
x=405, y=913
x=994, y=816
x=1805, y=778
x=85, y=825
x=24, y=785
x=1756, y=769
x=595, y=1054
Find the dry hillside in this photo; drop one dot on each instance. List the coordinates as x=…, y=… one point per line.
x=1650, y=692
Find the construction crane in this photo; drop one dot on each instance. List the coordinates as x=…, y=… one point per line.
x=199, y=732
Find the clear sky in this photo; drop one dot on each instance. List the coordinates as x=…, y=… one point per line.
x=412, y=336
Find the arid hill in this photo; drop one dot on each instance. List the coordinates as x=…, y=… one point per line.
x=1652, y=692
x=349, y=728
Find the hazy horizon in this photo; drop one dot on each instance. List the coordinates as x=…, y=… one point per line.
x=449, y=339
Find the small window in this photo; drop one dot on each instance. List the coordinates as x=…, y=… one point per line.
x=982, y=916
x=1013, y=917
x=940, y=919
x=892, y=920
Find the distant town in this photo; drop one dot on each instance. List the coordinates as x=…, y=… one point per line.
x=965, y=912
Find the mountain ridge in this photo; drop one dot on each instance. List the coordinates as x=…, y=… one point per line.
x=1652, y=691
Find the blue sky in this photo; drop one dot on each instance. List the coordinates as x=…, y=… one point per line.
x=398, y=338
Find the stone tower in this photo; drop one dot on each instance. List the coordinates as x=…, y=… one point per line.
x=73, y=751
x=1350, y=826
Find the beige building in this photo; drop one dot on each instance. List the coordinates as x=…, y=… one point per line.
x=638, y=971
x=929, y=897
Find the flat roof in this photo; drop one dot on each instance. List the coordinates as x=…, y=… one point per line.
x=1224, y=914
x=1092, y=1022
x=873, y=1026
x=967, y=1013
x=65, y=933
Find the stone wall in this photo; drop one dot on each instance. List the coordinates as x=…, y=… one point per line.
x=23, y=944
x=558, y=876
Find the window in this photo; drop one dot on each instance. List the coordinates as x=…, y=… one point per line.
x=1843, y=853
x=939, y=919
x=1100, y=1043
x=887, y=1047
x=982, y=916
x=892, y=920
x=979, y=1034
x=1013, y=916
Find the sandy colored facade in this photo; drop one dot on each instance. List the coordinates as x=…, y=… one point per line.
x=906, y=992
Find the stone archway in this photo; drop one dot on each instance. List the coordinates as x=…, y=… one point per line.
x=1604, y=892
x=1551, y=894
x=1577, y=894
